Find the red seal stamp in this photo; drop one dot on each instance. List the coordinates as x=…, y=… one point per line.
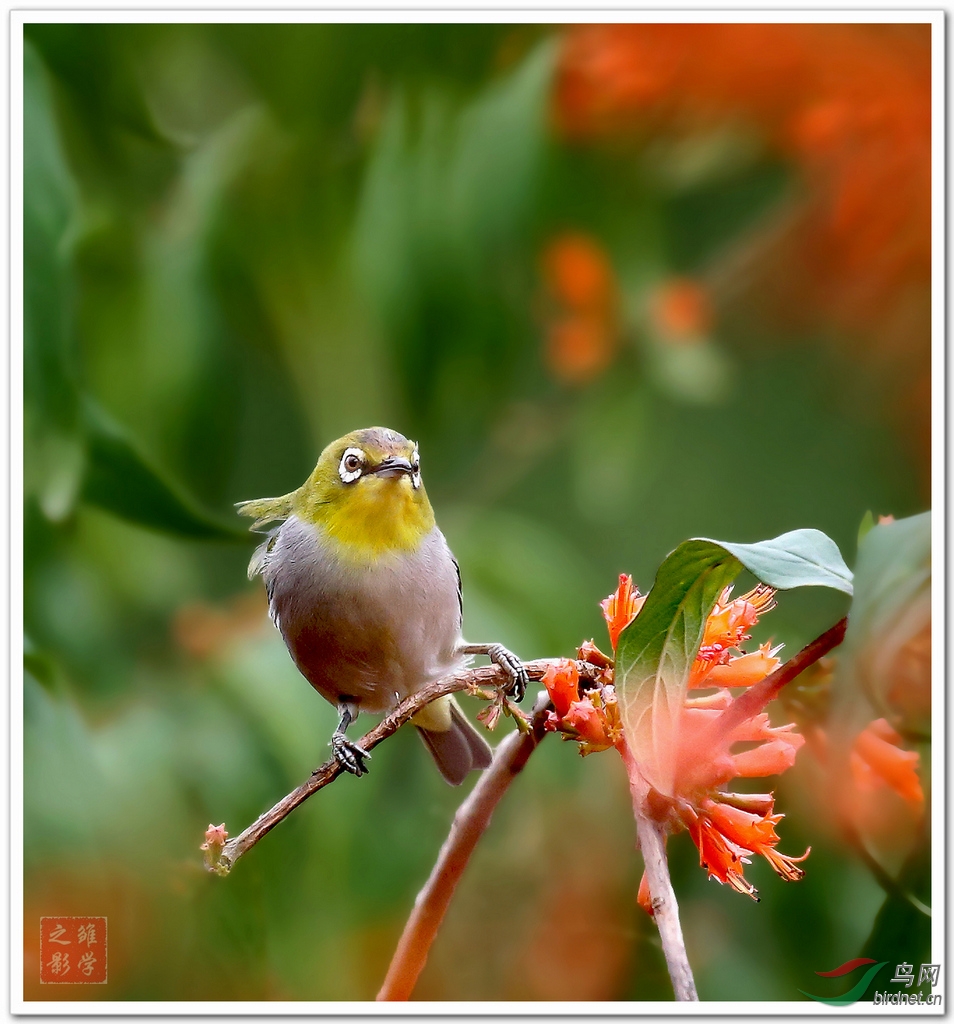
x=73, y=950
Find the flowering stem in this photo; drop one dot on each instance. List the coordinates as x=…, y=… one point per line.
x=470, y=822
x=665, y=908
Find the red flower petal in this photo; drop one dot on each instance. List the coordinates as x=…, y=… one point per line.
x=562, y=682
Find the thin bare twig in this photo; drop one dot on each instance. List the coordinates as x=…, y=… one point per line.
x=465, y=679
x=470, y=822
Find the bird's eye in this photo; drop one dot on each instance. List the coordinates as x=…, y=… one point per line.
x=352, y=462
x=416, y=469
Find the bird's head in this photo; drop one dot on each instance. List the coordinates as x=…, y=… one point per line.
x=366, y=493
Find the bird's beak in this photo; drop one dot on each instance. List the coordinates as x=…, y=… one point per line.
x=393, y=466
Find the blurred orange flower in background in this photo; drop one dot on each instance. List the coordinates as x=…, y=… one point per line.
x=582, y=331
x=849, y=106
x=681, y=311
x=877, y=759
x=874, y=787
x=204, y=630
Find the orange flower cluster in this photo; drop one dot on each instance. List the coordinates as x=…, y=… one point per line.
x=850, y=104
x=727, y=832
x=591, y=717
x=728, y=828
x=581, y=295
x=726, y=626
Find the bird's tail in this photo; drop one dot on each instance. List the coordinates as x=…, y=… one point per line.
x=456, y=746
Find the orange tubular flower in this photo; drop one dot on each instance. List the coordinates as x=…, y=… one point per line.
x=591, y=718
x=756, y=833
x=722, y=858
x=878, y=760
x=621, y=607
x=588, y=651
x=746, y=669
x=562, y=681
x=705, y=762
x=726, y=629
x=589, y=721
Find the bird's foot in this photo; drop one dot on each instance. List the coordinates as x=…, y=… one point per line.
x=349, y=755
x=516, y=688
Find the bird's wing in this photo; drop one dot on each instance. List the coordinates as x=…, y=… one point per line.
x=266, y=510
x=260, y=556
x=460, y=595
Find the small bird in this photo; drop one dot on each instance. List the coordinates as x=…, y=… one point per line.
x=367, y=595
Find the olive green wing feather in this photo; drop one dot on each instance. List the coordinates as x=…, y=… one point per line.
x=267, y=510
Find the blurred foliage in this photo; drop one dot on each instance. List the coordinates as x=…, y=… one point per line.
x=241, y=241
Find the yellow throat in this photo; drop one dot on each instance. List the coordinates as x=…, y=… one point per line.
x=377, y=517
x=365, y=494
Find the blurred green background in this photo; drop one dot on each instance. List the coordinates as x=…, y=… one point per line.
x=242, y=241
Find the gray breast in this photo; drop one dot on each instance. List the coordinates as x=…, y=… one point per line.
x=370, y=633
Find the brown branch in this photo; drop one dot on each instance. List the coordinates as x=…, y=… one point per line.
x=222, y=860
x=471, y=820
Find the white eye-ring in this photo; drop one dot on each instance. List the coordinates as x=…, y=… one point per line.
x=415, y=468
x=351, y=465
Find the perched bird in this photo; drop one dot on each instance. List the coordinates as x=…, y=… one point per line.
x=366, y=594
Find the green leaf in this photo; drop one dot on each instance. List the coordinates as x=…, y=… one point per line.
x=121, y=480
x=53, y=439
x=894, y=564
x=865, y=526
x=890, y=611
x=802, y=558
x=655, y=652
x=448, y=188
x=40, y=665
